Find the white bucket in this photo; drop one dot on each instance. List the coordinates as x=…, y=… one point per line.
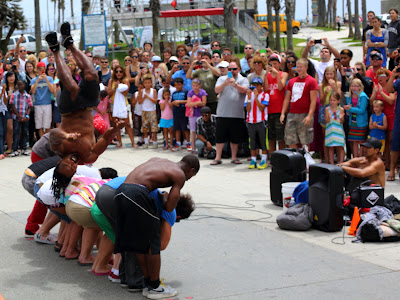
x=287, y=192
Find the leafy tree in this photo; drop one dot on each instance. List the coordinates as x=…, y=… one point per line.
x=11, y=18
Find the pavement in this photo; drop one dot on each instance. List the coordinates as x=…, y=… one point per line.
x=231, y=247
x=335, y=38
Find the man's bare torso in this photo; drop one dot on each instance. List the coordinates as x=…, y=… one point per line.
x=156, y=173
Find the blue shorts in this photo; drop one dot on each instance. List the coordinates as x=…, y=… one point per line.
x=180, y=123
x=395, y=145
x=166, y=123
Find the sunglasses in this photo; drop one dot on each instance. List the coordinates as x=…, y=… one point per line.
x=225, y=54
x=358, y=69
x=376, y=58
x=22, y=50
x=141, y=68
x=291, y=61
x=134, y=56
x=104, y=62
x=232, y=69
x=257, y=62
x=127, y=60
x=51, y=69
x=249, y=48
x=216, y=56
x=216, y=45
x=185, y=63
x=179, y=50
x=118, y=71
x=89, y=56
x=382, y=75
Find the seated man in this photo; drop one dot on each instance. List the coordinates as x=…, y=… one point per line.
x=368, y=167
x=74, y=141
x=138, y=219
x=205, y=132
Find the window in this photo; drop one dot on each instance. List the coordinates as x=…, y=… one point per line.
x=31, y=39
x=11, y=42
x=284, y=18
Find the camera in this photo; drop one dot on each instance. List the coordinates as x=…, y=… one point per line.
x=180, y=67
x=14, y=68
x=318, y=41
x=199, y=63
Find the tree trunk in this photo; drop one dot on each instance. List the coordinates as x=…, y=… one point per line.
x=85, y=10
x=228, y=19
x=357, y=31
x=334, y=6
x=289, y=15
x=245, y=4
x=271, y=35
x=328, y=20
x=38, y=32
x=321, y=13
x=364, y=13
x=72, y=14
x=277, y=7
x=351, y=34
x=155, y=9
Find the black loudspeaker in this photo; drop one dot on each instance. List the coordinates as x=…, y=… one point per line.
x=286, y=166
x=325, y=196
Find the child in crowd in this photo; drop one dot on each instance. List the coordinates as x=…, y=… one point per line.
x=378, y=123
x=197, y=98
x=257, y=115
x=166, y=86
x=328, y=86
x=334, y=133
x=180, y=120
x=148, y=99
x=21, y=104
x=167, y=121
x=137, y=113
x=104, y=107
x=356, y=107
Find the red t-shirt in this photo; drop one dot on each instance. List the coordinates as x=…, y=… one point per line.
x=300, y=89
x=276, y=96
x=370, y=73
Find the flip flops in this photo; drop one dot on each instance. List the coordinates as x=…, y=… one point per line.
x=100, y=274
x=216, y=162
x=236, y=162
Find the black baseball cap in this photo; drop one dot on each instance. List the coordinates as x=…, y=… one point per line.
x=372, y=143
x=377, y=55
x=205, y=110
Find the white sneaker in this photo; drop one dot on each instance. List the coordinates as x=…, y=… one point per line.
x=145, y=292
x=14, y=154
x=162, y=292
x=145, y=146
x=154, y=146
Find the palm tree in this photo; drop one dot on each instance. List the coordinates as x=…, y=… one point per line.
x=351, y=34
x=38, y=29
x=155, y=8
x=277, y=8
x=228, y=19
x=289, y=15
x=321, y=13
x=364, y=13
x=270, y=25
x=357, y=32
x=72, y=14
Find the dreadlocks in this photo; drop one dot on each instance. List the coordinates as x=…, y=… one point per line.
x=60, y=182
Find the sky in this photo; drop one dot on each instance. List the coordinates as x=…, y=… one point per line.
x=29, y=11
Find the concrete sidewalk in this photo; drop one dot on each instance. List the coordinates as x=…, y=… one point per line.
x=211, y=256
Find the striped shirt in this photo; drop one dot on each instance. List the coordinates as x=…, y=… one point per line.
x=255, y=115
x=21, y=103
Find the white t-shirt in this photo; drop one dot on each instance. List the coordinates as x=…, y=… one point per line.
x=320, y=67
x=80, y=170
x=21, y=65
x=160, y=91
x=138, y=107
x=148, y=105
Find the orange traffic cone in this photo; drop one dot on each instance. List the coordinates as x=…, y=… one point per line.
x=354, y=222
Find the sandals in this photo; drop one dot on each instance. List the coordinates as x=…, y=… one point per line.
x=390, y=178
x=236, y=162
x=216, y=162
x=2, y=156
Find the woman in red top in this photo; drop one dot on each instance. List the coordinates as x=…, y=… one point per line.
x=379, y=93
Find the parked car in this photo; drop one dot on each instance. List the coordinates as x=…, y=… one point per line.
x=263, y=21
x=29, y=43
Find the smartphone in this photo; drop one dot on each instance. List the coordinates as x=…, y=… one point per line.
x=252, y=87
x=336, y=59
x=263, y=51
x=348, y=70
x=180, y=67
x=229, y=74
x=318, y=41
